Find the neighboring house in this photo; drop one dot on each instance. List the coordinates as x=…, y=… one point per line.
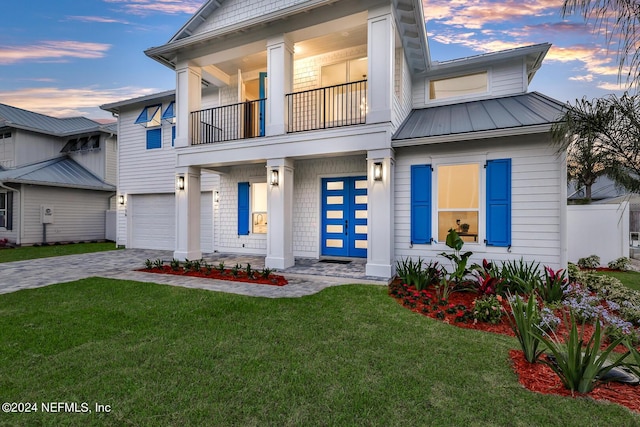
x=57, y=177
x=323, y=129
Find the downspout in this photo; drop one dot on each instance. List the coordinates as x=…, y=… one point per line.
x=19, y=233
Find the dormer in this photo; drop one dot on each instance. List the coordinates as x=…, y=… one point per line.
x=491, y=75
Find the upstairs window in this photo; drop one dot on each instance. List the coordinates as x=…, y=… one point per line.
x=458, y=87
x=344, y=72
x=150, y=116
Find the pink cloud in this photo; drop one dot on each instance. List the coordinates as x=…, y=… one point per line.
x=171, y=7
x=52, y=51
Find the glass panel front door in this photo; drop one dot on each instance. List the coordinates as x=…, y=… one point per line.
x=344, y=216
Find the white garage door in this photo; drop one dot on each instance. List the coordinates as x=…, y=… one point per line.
x=153, y=221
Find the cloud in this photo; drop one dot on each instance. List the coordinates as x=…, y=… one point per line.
x=59, y=102
x=49, y=51
x=585, y=79
x=476, y=14
x=98, y=19
x=146, y=7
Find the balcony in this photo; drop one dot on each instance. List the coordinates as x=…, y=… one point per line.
x=315, y=109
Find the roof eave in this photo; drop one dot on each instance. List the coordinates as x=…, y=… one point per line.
x=114, y=107
x=105, y=188
x=470, y=136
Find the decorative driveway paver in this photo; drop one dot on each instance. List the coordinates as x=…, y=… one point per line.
x=304, y=278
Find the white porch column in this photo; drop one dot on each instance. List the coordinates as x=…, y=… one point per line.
x=280, y=215
x=381, y=241
x=279, y=83
x=380, y=50
x=188, y=214
x=188, y=99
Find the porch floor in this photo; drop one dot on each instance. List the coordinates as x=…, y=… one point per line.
x=354, y=269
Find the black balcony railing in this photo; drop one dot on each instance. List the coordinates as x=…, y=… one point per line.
x=327, y=107
x=228, y=123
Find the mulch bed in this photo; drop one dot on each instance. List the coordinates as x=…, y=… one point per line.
x=241, y=276
x=536, y=377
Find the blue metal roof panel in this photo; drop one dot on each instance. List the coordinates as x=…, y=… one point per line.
x=58, y=172
x=529, y=109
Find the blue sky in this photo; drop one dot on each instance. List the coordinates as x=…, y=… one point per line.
x=67, y=57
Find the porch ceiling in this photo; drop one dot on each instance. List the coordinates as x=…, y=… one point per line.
x=341, y=38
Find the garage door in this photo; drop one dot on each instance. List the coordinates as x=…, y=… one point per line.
x=153, y=221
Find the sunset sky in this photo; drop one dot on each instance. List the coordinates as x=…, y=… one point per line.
x=67, y=57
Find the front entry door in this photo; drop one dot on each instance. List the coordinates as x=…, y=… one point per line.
x=344, y=216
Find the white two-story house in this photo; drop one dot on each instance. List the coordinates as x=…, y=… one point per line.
x=322, y=128
x=57, y=177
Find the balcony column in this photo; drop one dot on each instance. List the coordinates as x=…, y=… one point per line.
x=381, y=241
x=280, y=214
x=188, y=99
x=380, y=50
x=187, y=214
x=279, y=83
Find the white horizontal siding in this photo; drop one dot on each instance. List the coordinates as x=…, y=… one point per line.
x=235, y=11
x=508, y=79
x=142, y=170
x=537, y=198
x=78, y=214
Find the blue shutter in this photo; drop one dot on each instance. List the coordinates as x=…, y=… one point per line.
x=173, y=135
x=243, y=208
x=154, y=138
x=420, y=204
x=499, y=202
x=169, y=114
x=143, y=118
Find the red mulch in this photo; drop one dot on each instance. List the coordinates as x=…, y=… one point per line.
x=536, y=377
x=273, y=280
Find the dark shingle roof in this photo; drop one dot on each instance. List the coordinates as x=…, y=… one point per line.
x=517, y=111
x=58, y=172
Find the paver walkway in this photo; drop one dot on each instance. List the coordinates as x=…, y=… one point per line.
x=303, y=278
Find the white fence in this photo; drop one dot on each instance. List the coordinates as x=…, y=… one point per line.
x=601, y=230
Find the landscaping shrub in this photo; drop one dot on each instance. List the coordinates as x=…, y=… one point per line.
x=488, y=309
x=524, y=320
x=578, y=367
x=552, y=287
x=592, y=261
x=621, y=264
x=521, y=277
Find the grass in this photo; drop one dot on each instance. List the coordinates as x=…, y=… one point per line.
x=630, y=279
x=348, y=356
x=32, y=252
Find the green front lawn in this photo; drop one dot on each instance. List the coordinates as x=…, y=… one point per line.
x=32, y=252
x=630, y=279
x=350, y=355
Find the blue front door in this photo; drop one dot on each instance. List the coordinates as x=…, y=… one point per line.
x=344, y=216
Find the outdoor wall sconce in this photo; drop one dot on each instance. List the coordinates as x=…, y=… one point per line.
x=180, y=182
x=274, y=177
x=377, y=171
x=121, y=199
x=216, y=196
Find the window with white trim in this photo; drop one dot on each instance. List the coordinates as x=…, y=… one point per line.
x=459, y=86
x=458, y=200
x=259, y=207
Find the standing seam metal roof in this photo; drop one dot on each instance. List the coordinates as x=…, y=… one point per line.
x=529, y=109
x=58, y=172
x=17, y=117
